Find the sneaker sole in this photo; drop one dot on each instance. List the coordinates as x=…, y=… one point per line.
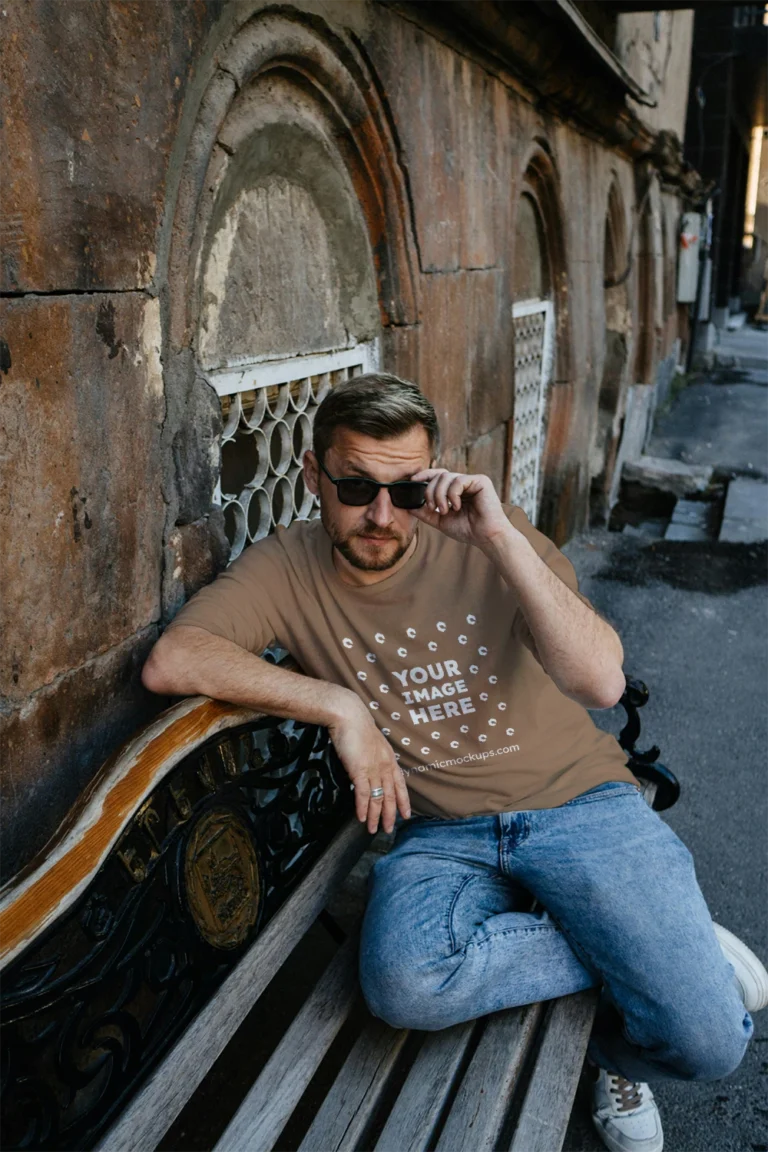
x=652, y=1145
x=751, y=974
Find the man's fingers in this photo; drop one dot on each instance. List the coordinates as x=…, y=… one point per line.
x=365, y=804
x=444, y=485
x=455, y=491
x=436, y=490
x=387, y=775
x=433, y=477
x=389, y=809
x=401, y=792
x=376, y=805
x=444, y=488
x=395, y=797
x=369, y=808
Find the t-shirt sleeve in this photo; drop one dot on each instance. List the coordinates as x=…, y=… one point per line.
x=241, y=603
x=552, y=557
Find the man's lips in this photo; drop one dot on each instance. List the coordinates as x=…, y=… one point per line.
x=377, y=539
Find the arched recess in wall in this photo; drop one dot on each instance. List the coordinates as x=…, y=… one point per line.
x=291, y=250
x=540, y=319
x=669, y=230
x=617, y=340
x=648, y=283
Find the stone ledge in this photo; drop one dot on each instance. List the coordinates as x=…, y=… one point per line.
x=669, y=475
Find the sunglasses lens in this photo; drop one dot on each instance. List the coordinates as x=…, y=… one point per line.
x=359, y=492
x=356, y=492
x=409, y=495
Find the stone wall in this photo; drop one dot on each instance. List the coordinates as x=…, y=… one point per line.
x=190, y=181
x=655, y=48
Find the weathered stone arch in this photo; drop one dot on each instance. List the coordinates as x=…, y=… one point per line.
x=617, y=345
x=670, y=222
x=290, y=143
x=541, y=181
x=328, y=77
x=649, y=278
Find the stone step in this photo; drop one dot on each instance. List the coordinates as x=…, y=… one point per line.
x=685, y=532
x=672, y=476
x=690, y=521
x=696, y=513
x=745, y=519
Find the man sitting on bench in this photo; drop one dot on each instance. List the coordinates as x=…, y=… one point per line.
x=452, y=659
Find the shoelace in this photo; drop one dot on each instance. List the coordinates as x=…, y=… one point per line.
x=627, y=1092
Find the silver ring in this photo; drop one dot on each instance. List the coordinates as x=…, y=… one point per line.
x=376, y=792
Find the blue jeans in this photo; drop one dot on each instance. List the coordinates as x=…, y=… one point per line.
x=449, y=933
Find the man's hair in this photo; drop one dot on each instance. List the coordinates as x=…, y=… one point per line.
x=377, y=405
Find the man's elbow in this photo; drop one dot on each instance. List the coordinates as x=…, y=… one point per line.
x=610, y=691
x=157, y=673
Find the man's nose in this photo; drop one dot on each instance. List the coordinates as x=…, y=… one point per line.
x=380, y=511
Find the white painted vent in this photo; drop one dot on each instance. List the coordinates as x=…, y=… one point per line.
x=268, y=409
x=533, y=322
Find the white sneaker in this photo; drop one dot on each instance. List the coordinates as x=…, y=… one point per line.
x=749, y=972
x=625, y=1113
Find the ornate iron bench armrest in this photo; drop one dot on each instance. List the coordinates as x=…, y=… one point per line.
x=645, y=764
x=187, y=843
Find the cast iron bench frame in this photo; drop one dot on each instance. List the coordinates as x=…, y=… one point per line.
x=203, y=851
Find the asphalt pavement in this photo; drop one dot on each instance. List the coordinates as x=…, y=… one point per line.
x=693, y=619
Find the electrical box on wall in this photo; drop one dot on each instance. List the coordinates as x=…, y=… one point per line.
x=688, y=257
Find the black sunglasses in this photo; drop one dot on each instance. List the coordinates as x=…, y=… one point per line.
x=356, y=490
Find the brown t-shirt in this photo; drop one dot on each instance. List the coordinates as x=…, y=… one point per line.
x=440, y=652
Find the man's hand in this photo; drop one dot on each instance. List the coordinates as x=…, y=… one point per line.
x=370, y=763
x=466, y=508
x=577, y=649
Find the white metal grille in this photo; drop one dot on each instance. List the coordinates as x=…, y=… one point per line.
x=268, y=409
x=533, y=321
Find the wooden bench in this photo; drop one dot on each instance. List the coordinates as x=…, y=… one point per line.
x=135, y=946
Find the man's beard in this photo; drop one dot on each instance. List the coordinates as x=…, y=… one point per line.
x=374, y=558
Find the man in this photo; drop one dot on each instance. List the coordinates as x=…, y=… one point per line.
x=452, y=658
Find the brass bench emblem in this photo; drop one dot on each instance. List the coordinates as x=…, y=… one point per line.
x=221, y=877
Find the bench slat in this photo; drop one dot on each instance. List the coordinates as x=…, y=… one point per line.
x=272, y=1098
x=346, y=1112
x=413, y=1118
x=482, y=1102
x=546, y=1109
x=154, y=1108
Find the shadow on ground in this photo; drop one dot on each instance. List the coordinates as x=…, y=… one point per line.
x=713, y=567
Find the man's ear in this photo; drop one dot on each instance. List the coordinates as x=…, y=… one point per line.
x=311, y=471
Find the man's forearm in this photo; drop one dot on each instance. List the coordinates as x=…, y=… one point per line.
x=188, y=661
x=579, y=650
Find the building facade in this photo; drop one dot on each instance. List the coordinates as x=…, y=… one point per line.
x=213, y=211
